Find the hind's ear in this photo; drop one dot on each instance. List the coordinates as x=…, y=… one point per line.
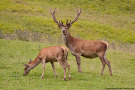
x=29, y=61
x=25, y=65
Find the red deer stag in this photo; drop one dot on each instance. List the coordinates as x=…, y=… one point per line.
x=50, y=54
x=79, y=47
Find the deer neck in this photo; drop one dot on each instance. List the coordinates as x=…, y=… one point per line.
x=68, y=39
x=34, y=63
x=70, y=42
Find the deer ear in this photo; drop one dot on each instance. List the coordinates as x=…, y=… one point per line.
x=25, y=65
x=29, y=61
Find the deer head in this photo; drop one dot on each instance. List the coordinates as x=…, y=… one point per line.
x=68, y=23
x=27, y=68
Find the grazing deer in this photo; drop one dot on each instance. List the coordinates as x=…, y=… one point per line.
x=50, y=54
x=79, y=47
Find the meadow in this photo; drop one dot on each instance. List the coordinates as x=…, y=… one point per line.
x=26, y=26
x=14, y=54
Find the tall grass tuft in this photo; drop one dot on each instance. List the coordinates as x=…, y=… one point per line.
x=37, y=37
x=1, y=35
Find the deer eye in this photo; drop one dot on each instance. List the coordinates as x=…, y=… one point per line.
x=26, y=68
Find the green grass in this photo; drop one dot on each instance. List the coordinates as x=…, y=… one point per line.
x=14, y=54
x=110, y=19
x=113, y=20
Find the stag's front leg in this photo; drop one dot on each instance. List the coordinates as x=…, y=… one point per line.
x=43, y=68
x=78, y=60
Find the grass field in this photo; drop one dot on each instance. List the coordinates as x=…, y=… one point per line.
x=14, y=54
x=110, y=19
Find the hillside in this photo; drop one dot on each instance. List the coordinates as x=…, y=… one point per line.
x=113, y=20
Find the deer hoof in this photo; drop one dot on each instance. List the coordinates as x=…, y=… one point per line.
x=64, y=79
x=69, y=78
x=41, y=77
x=101, y=74
x=80, y=71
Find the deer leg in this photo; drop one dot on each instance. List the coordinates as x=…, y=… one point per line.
x=103, y=62
x=63, y=66
x=78, y=60
x=68, y=66
x=43, y=67
x=109, y=65
x=54, y=69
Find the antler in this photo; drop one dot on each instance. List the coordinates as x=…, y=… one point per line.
x=71, y=22
x=78, y=14
x=53, y=15
x=54, y=18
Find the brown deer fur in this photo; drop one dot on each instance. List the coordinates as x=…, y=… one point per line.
x=50, y=54
x=85, y=48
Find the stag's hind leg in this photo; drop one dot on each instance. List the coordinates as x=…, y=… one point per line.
x=109, y=65
x=104, y=62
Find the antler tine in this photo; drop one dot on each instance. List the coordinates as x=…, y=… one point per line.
x=70, y=21
x=61, y=23
x=66, y=21
x=53, y=15
x=76, y=10
x=78, y=13
x=51, y=11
